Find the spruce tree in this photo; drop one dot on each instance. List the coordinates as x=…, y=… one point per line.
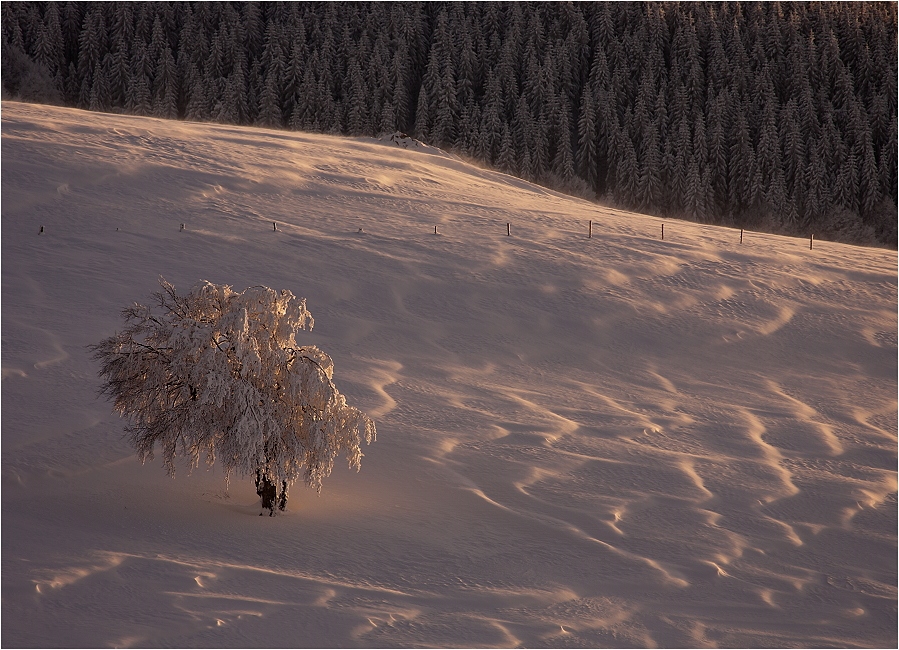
x=587, y=161
x=506, y=158
x=165, y=86
x=563, y=160
x=49, y=47
x=627, y=176
x=887, y=167
x=649, y=185
x=138, y=99
x=357, y=100
x=197, y=101
x=868, y=181
x=741, y=167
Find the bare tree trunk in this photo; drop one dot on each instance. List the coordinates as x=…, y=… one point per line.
x=269, y=493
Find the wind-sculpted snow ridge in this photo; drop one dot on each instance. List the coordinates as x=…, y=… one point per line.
x=615, y=441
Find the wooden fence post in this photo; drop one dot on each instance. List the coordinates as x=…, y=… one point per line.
x=589, y=229
x=508, y=229
x=663, y=232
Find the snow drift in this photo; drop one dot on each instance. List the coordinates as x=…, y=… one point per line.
x=607, y=441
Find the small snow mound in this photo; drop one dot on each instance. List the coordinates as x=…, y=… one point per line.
x=400, y=139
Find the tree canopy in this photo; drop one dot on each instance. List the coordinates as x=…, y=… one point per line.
x=217, y=375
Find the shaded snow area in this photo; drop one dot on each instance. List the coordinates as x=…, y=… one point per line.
x=616, y=441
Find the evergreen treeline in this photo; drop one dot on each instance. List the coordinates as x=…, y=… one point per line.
x=776, y=115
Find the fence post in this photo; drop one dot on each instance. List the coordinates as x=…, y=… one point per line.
x=435, y=230
x=274, y=225
x=663, y=232
x=508, y=229
x=741, y=235
x=811, y=241
x=589, y=229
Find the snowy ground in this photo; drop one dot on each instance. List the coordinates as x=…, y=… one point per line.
x=616, y=441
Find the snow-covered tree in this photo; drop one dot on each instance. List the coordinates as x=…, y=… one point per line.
x=218, y=375
x=165, y=93
x=587, y=134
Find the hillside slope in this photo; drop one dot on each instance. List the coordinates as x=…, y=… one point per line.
x=608, y=441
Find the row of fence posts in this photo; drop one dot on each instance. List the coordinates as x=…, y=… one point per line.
x=811, y=238
x=811, y=241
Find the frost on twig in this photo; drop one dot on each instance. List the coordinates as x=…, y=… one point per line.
x=217, y=375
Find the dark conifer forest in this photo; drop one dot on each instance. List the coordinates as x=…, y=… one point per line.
x=776, y=116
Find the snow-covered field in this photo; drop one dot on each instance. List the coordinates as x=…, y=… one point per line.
x=613, y=441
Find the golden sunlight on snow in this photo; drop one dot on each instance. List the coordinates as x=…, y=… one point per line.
x=613, y=441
